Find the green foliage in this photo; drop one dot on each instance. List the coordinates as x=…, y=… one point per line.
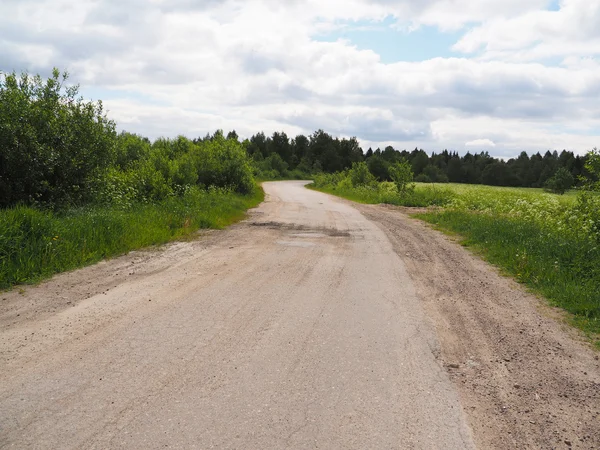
x=52, y=143
x=561, y=182
x=170, y=167
x=586, y=215
x=592, y=165
x=130, y=149
x=321, y=152
x=434, y=174
x=224, y=163
x=273, y=167
x=60, y=151
x=379, y=167
x=498, y=174
x=402, y=176
x=360, y=175
x=36, y=244
x=341, y=184
x=562, y=265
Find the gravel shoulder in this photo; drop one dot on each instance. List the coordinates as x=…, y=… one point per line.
x=526, y=379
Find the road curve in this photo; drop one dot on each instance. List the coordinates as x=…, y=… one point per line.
x=298, y=328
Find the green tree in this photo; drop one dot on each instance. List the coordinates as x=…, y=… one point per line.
x=592, y=165
x=53, y=144
x=224, y=163
x=455, y=172
x=402, y=175
x=280, y=144
x=419, y=161
x=360, y=175
x=379, y=167
x=130, y=150
x=498, y=174
x=300, y=146
x=351, y=152
x=561, y=182
x=435, y=174
x=273, y=167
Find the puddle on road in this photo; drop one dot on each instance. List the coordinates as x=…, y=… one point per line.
x=306, y=231
x=303, y=244
x=309, y=235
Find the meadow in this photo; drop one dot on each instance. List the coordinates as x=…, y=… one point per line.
x=548, y=242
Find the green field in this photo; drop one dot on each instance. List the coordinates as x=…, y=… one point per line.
x=462, y=189
x=548, y=242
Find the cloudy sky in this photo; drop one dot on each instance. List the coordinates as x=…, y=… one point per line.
x=495, y=75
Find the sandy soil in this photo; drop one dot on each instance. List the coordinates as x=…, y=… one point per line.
x=316, y=323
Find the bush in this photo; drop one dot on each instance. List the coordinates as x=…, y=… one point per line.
x=224, y=163
x=130, y=149
x=170, y=167
x=360, y=175
x=402, y=176
x=561, y=182
x=379, y=167
x=52, y=143
x=272, y=168
x=592, y=166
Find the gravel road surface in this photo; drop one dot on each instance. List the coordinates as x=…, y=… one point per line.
x=315, y=323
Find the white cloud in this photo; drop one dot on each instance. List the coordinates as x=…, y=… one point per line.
x=480, y=143
x=171, y=67
x=571, y=31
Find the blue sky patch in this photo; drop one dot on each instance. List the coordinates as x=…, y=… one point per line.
x=393, y=44
x=554, y=5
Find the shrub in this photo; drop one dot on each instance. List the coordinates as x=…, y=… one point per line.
x=272, y=167
x=592, y=165
x=224, y=163
x=52, y=143
x=402, y=176
x=379, y=167
x=561, y=182
x=360, y=175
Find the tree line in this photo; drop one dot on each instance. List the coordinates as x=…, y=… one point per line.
x=321, y=152
x=58, y=150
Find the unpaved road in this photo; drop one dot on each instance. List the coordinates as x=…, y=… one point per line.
x=313, y=324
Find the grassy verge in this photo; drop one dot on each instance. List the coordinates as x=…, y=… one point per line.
x=423, y=194
x=561, y=267
x=37, y=244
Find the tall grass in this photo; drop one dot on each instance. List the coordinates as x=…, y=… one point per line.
x=563, y=267
x=423, y=195
x=36, y=244
x=550, y=243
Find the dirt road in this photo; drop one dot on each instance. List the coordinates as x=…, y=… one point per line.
x=314, y=324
